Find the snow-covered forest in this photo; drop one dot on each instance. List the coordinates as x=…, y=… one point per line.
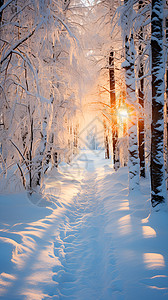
x=83, y=149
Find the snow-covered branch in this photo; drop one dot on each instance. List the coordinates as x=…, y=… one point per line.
x=5, y=5
x=16, y=45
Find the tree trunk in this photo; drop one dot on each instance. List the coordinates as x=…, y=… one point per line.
x=1, y=3
x=141, y=102
x=167, y=93
x=158, y=186
x=38, y=166
x=106, y=141
x=133, y=161
x=116, y=161
x=133, y=155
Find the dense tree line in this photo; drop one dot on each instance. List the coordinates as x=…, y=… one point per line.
x=46, y=47
x=135, y=54
x=38, y=96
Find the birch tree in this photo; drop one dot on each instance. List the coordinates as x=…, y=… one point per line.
x=113, y=106
x=131, y=98
x=158, y=186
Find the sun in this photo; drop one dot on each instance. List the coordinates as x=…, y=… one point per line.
x=123, y=113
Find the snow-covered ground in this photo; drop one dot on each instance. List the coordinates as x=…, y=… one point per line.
x=85, y=240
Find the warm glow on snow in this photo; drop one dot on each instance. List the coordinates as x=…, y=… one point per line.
x=124, y=205
x=125, y=224
x=5, y=281
x=83, y=202
x=154, y=260
x=148, y=232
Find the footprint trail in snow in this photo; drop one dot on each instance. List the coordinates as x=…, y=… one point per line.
x=94, y=243
x=87, y=267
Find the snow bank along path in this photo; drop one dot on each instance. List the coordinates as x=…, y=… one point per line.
x=97, y=244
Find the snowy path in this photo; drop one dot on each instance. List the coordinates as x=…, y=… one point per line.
x=95, y=243
x=87, y=252
x=74, y=257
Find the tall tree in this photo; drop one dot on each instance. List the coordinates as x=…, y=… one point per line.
x=158, y=186
x=141, y=102
x=116, y=162
x=167, y=89
x=131, y=98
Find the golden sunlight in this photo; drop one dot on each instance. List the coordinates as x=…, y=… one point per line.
x=148, y=232
x=125, y=225
x=124, y=205
x=154, y=260
x=122, y=113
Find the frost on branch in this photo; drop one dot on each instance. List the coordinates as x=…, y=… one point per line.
x=38, y=59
